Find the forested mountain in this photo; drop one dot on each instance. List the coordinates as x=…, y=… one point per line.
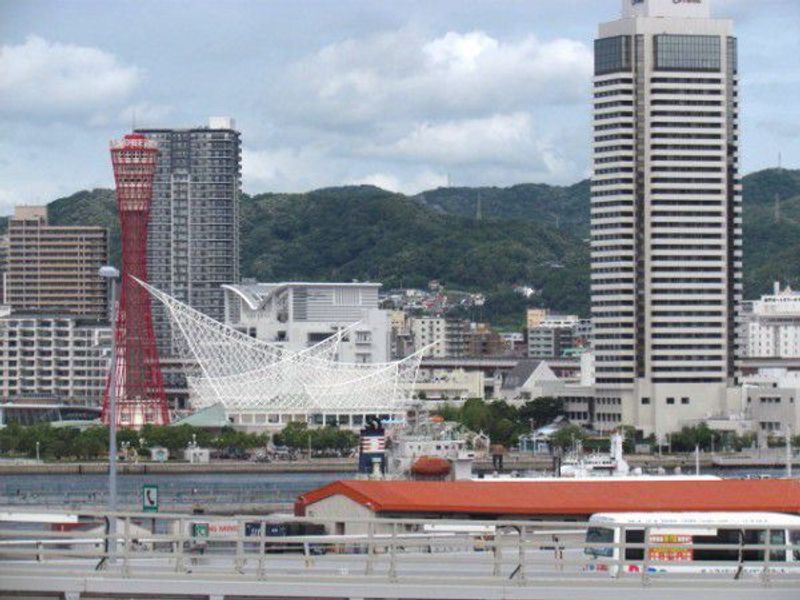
x=527, y=234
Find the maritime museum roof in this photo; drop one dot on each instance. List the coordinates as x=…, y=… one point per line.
x=574, y=498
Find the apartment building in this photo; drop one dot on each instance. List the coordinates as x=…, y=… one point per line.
x=54, y=268
x=442, y=337
x=666, y=211
x=193, y=243
x=53, y=356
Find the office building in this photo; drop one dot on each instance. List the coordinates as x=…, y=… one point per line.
x=772, y=326
x=666, y=213
x=54, y=357
x=193, y=244
x=298, y=315
x=54, y=268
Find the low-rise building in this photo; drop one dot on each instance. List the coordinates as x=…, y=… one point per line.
x=772, y=324
x=447, y=384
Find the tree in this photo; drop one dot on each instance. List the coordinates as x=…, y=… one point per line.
x=541, y=411
x=566, y=437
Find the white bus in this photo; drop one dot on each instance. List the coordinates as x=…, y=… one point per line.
x=673, y=537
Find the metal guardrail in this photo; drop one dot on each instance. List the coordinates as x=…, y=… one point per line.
x=404, y=557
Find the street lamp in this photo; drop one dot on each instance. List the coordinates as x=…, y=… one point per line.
x=111, y=274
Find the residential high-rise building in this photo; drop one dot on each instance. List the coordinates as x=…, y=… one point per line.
x=55, y=268
x=3, y=259
x=193, y=248
x=666, y=213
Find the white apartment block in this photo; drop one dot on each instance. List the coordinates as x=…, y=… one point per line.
x=301, y=314
x=772, y=327
x=442, y=337
x=53, y=357
x=666, y=213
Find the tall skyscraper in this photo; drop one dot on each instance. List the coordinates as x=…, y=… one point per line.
x=54, y=267
x=193, y=247
x=666, y=213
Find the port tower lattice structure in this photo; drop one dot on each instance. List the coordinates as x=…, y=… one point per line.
x=135, y=372
x=244, y=374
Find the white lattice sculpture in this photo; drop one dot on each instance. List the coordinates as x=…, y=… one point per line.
x=243, y=373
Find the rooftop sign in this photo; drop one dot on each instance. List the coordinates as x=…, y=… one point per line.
x=699, y=9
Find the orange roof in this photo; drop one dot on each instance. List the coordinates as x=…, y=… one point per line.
x=581, y=497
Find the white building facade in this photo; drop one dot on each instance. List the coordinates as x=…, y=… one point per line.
x=773, y=325
x=666, y=214
x=53, y=357
x=301, y=314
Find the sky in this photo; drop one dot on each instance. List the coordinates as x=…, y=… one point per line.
x=405, y=94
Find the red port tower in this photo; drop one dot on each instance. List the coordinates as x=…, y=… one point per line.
x=135, y=374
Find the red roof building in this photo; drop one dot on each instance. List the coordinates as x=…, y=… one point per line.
x=571, y=499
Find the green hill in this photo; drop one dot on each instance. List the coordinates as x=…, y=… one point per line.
x=527, y=234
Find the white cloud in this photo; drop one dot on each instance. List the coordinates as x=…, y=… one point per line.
x=402, y=73
x=418, y=182
x=39, y=77
x=496, y=138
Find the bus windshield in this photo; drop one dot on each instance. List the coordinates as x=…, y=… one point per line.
x=600, y=535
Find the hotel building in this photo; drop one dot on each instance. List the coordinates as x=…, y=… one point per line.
x=666, y=214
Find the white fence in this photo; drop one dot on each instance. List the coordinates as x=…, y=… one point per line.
x=154, y=555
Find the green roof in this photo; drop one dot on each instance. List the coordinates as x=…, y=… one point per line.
x=213, y=416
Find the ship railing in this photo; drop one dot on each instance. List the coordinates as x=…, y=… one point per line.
x=152, y=545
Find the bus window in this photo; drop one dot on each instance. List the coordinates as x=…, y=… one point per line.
x=754, y=537
x=634, y=536
x=777, y=537
x=794, y=538
x=600, y=535
x=724, y=537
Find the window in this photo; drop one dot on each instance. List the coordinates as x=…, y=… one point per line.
x=688, y=53
x=634, y=536
x=645, y=400
x=684, y=401
x=612, y=55
x=670, y=400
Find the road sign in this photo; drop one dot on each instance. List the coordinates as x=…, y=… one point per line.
x=150, y=498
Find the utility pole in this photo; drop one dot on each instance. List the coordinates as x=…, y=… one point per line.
x=111, y=275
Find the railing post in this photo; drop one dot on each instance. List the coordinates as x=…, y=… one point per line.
x=765, y=579
x=393, y=553
x=521, y=554
x=498, y=553
x=370, y=547
x=239, y=559
x=620, y=552
x=126, y=548
x=179, y=566
x=262, y=548
x=646, y=558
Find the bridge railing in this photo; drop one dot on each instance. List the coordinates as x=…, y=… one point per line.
x=464, y=551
